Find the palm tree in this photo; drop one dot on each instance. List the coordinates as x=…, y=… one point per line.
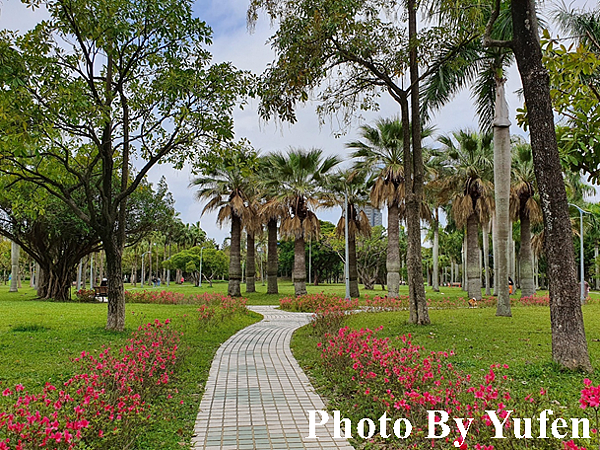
x=224, y=184
x=484, y=68
x=469, y=156
x=297, y=177
x=434, y=171
x=270, y=213
x=382, y=153
x=585, y=25
x=356, y=186
x=524, y=207
x=253, y=224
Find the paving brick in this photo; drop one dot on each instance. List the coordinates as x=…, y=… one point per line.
x=257, y=395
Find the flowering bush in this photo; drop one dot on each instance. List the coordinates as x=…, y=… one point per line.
x=314, y=302
x=147, y=296
x=85, y=295
x=375, y=375
x=384, y=303
x=99, y=407
x=229, y=304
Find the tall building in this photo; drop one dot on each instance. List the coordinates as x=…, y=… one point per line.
x=373, y=214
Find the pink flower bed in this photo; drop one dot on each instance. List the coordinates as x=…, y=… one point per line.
x=99, y=407
x=314, y=302
x=379, y=375
x=384, y=303
x=176, y=298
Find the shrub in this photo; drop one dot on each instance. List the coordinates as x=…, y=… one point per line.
x=315, y=302
x=373, y=376
x=85, y=295
x=100, y=407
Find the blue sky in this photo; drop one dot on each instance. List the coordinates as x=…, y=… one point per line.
x=232, y=42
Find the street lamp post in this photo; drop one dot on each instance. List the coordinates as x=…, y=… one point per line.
x=200, y=277
x=143, y=257
x=581, y=265
x=347, y=248
x=309, y=260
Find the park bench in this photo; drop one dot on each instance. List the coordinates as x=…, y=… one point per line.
x=101, y=293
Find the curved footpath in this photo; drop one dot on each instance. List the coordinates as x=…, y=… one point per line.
x=257, y=396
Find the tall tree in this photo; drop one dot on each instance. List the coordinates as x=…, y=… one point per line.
x=299, y=176
x=381, y=152
x=525, y=208
x=357, y=50
x=224, y=183
x=353, y=186
x=470, y=189
x=483, y=68
x=104, y=83
x=569, y=345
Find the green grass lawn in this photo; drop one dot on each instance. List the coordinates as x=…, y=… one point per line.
x=38, y=340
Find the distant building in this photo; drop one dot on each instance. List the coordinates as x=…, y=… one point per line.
x=373, y=214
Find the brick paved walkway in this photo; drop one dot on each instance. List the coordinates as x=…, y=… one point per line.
x=257, y=396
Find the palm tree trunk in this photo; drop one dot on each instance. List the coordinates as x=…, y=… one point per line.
x=14, y=273
x=463, y=273
x=473, y=273
x=352, y=265
x=526, y=259
x=502, y=159
x=299, y=266
x=272, y=257
x=392, y=262
x=250, y=263
x=436, y=251
x=495, y=253
x=486, y=257
x=569, y=344
x=235, y=267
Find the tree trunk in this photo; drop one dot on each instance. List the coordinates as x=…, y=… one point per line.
x=235, y=267
x=436, y=251
x=272, y=257
x=486, y=257
x=42, y=285
x=392, y=262
x=14, y=273
x=115, y=320
x=250, y=263
x=502, y=159
x=299, y=266
x=569, y=345
x=495, y=254
x=352, y=265
x=526, y=259
x=56, y=283
x=414, y=193
x=473, y=274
